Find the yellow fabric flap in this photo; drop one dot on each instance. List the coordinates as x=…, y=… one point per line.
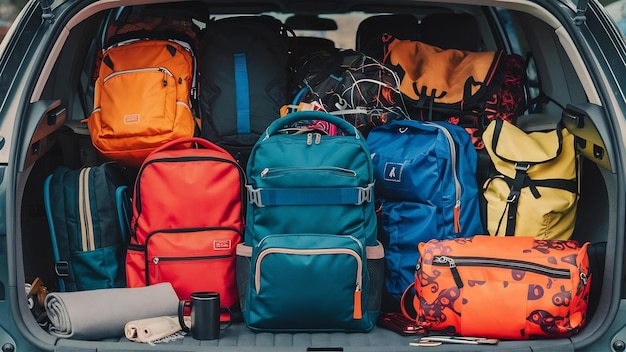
x=510, y=143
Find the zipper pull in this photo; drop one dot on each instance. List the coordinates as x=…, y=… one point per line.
x=155, y=260
x=357, y=314
x=452, y=264
x=264, y=172
x=309, y=138
x=318, y=138
x=583, y=278
x=164, y=77
x=457, y=216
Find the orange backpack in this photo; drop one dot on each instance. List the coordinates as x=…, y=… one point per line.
x=500, y=287
x=142, y=98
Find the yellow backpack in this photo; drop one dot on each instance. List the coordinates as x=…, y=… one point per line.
x=142, y=99
x=535, y=189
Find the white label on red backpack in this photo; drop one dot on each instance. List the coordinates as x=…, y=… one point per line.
x=221, y=245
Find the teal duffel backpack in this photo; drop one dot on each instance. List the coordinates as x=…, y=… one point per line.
x=311, y=261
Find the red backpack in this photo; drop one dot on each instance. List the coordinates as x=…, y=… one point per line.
x=187, y=220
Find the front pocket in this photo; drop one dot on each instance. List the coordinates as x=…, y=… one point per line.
x=551, y=216
x=194, y=260
x=405, y=224
x=99, y=268
x=333, y=176
x=475, y=291
x=140, y=102
x=310, y=282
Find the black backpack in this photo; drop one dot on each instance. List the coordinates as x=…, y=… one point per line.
x=244, y=78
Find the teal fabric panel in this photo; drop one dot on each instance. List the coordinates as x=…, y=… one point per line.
x=315, y=289
x=306, y=253
x=288, y=161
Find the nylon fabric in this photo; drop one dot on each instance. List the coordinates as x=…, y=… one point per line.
x=309, y=269
x=548, y=197
x=424, y=66
x=244, y=74
x=187, y=220
x=426, y=186
x=462, y=286
x=336, y=300
x=142, y=99
x=93, y=251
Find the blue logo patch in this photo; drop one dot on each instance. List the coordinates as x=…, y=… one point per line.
x=393, y=172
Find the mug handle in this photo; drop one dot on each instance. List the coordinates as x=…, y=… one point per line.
x=224, y=325
x=181, y=315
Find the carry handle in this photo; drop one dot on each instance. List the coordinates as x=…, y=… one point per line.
x=180, y=143
x=294, y=117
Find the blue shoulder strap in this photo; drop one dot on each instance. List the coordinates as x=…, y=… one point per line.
x=242, y=93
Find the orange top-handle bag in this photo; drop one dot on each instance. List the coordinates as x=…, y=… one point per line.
x=500, y=287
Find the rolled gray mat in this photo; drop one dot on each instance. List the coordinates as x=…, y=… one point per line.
x=103, y=313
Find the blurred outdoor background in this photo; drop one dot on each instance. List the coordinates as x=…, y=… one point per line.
x=10, y=8
x=8, y=11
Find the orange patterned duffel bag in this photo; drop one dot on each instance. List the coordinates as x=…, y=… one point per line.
x=500, y=287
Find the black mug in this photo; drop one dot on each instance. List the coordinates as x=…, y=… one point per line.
x=205, y=315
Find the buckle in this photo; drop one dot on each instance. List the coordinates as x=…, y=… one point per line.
x=254, y=196
x=512, y=198
x=365, y=194
x=62, y=268
x=522, y=167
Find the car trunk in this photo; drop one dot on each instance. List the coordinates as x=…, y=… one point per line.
x=58, y=138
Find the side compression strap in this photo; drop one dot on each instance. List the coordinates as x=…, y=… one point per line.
x=309, y=196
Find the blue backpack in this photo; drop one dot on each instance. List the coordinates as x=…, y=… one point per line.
x=311, y=250
x=88, y=212
x=426, y=188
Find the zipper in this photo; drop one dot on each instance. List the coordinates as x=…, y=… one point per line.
x=157, y=260
x=164, y=70
x=267, y=172
x=194, y=84
x=457, y=183
x=357, y=313
x=453, y=262
x=84, y=211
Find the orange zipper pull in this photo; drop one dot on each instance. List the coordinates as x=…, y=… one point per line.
x=457, y=217
x=358, y=314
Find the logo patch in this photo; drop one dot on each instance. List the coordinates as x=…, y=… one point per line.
x=221, y=245
x=393, y=172
x=133, y=118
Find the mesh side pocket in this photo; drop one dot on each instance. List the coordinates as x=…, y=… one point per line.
x=243, y=277
x=376, y=271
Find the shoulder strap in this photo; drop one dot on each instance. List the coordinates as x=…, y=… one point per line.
x=56, y=212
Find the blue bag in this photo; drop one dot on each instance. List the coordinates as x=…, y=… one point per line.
x=88, y=212
x=311, y=250
x=426, y=187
